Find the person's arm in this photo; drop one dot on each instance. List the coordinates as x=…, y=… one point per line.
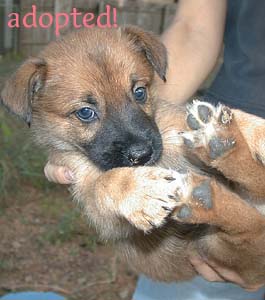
x=194, y=41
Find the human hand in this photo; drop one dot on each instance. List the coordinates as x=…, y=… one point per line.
x=213, y=272
x=58, y=174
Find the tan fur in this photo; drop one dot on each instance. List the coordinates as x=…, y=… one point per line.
x=139, y=207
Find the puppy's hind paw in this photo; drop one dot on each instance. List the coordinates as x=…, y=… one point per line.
x=210, y=130
x=203, y=114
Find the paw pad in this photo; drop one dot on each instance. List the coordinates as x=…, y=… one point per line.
x=184, y=212
x=203, y=194
x=204, y=113
x=193, y=123
x=218, y=147
x=199, y=114
x=188, y=143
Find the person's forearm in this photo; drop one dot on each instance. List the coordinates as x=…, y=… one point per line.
x=194, y=41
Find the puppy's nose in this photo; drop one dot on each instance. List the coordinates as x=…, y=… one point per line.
x=139, y=154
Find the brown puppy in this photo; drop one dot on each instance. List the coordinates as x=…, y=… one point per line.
x=90, y=99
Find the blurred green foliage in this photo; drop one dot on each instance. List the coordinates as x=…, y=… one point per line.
x=20, y=160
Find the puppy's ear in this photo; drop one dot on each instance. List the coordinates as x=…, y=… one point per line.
x=19, y=91
x=153, y=49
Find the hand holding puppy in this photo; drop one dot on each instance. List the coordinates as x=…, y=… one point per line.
x=58, y=174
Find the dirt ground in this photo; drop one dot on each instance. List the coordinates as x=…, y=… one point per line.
x=46, y=244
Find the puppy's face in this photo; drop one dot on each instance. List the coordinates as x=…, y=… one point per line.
x=92, y=92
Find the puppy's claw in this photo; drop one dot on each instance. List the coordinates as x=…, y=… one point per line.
x=170, y=178
x=259, y=159
x=167, y=208
x=173, y=197
x=226, y=115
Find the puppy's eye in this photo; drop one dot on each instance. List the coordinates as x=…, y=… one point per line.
x=86, y=114
x=140, y=94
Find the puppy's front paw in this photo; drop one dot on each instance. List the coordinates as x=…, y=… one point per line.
x=211, y=135
x=154, y=198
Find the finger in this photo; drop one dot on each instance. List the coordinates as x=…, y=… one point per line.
x=232, y=276
x=58, y=174
x=253, y=288
x=204, y=269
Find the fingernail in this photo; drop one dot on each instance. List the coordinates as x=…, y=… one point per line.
x=69, y=175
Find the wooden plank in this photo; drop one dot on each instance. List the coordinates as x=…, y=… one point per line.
x=30, y=39
x=38, y=35
x=63, y=6
x=41, y=4
x=66, y=7
x=146, y=15
x=86, y=4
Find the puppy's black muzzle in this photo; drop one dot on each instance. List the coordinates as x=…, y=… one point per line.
x=129, y=139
